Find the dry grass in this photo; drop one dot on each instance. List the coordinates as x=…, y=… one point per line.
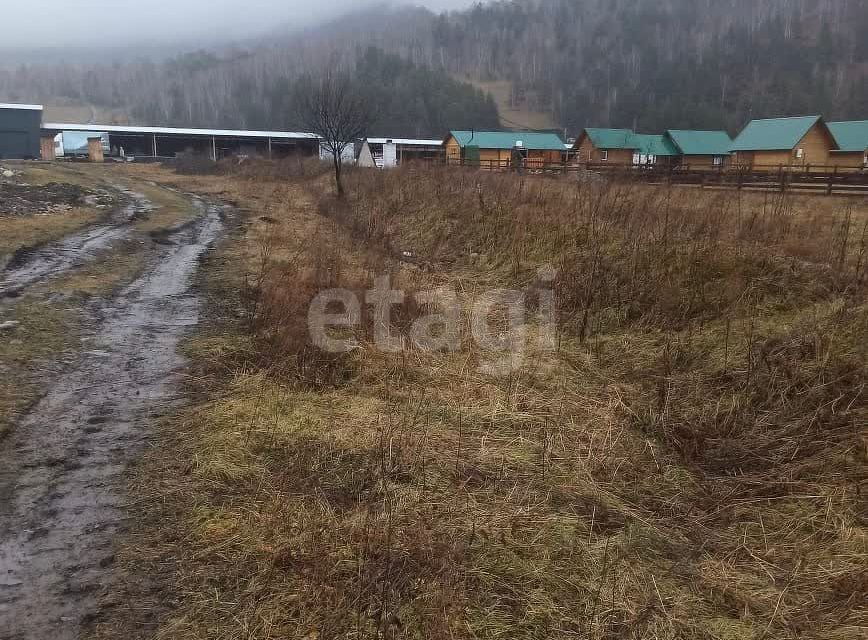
x=690, y=463
x=75, y=173
x=171, y=209
x=43, y=334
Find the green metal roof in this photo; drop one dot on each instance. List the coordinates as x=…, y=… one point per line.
x=507, y=140
x=851, y=137
x=626, y=139
x=701, y=143
x=611, y=138
x=653, y=145
x=775, y=134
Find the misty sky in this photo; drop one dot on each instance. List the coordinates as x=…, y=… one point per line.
x=27, y=23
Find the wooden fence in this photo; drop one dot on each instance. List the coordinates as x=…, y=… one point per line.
x=809, y=179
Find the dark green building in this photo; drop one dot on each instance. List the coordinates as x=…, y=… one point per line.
x=19, y=131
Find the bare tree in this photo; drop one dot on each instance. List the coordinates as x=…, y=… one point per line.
x=332, y=107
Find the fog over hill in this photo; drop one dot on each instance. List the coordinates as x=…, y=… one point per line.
x=647, y=64
x=85, y=24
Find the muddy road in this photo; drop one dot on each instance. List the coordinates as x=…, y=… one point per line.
x=77, y=249
x=63, y=467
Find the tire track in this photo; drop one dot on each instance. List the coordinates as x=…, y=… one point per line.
x=62, y=469
x=74, y=250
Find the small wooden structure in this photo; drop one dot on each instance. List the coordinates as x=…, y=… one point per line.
x=47, y=148
x=94, y=149
x=496, y=149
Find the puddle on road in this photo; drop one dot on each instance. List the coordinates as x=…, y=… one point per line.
x=74, y=250
x=62, y=468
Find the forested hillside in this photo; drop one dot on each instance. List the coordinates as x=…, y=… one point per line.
x=648, y=64
x=668, y=63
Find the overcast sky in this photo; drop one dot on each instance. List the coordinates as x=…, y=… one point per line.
x=28, y=23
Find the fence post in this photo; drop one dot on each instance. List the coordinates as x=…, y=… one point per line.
x=832, y=175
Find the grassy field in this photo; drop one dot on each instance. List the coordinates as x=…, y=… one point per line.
x=689, y=462
x=523, y=116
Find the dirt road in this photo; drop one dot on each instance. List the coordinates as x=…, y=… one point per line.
x=74, y=250
x=62, y=469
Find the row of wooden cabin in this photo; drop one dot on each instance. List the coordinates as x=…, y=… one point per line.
x=808, y=142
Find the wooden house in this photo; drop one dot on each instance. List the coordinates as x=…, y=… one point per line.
x=852, y=141
x=496, y=149
x=701, y=149
x=615, y=146
x=623, y=147
x=799, y=142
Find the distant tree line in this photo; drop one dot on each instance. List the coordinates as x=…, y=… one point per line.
x=242, y=90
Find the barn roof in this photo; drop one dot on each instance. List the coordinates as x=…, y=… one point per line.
x=851, y=137
x=409, y=142
x=611, y=138
x=701, y=143
x=26, y=107
x=532, y=140
x=774, y=134
x=220, y=133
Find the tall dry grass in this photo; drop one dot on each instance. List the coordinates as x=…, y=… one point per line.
x=690, y=462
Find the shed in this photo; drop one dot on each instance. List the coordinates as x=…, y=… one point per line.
x=701, y=149
x=852, y=140
x=167, y=142
x=392, y=152
x=20, y=131
x=495, y=148
x=784, y=142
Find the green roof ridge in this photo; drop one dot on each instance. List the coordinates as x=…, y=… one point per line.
x=774, y=134
x=692, y=142
x=533, y=140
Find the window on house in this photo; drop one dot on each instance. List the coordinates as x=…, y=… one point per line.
x=718, y=161
x=800, y=153
x=604, y=155
x=865, y=159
